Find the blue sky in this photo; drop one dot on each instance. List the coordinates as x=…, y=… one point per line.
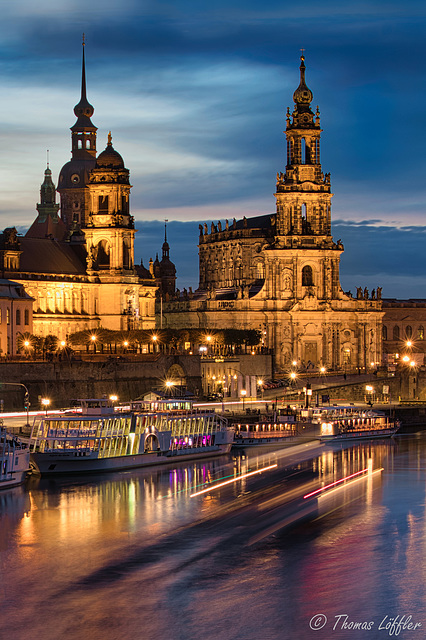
x=195, y=96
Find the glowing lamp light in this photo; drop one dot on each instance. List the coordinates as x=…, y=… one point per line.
x=169, y=384
x=154, y=338
x=113, y=398
x=260, y=383
x=63, y=343
x=45, y=402
x=369, y=388
x=412, y=363
x=322, y=370
x=293, y=375
x=93, y=338
x=406, y=359
x=294, y=363
x=409, y=343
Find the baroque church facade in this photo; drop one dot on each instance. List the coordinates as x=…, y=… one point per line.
x=78, y=265
x=279, y=273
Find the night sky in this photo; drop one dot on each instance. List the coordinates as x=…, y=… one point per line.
x=195, y=95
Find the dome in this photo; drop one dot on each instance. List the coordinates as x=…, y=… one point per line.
x=109, y=158
x=75, y=173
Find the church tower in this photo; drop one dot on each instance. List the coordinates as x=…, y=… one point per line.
x=303, y=192
x=303, y=201
x=74, y=175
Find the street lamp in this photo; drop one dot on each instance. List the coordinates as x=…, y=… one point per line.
x=45, y=402
x=93, y=339
x=260, y=384
x=243, y=396
x=370, y=390
x=27, y=345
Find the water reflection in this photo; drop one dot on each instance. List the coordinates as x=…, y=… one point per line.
x=132, y=555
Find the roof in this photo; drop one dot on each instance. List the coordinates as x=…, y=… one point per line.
x=10, y=289
x=46, y=255
x=48, y=227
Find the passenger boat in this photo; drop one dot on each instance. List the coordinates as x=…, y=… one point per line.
x=350, y=423
x=99, y=437
x=14, y=460
x=265, y=431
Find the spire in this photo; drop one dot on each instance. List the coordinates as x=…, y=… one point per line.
x=48, y=190
x=166, y=248
x=303, y=116
x=84, y=131
x=302, y=95
x=84, y=110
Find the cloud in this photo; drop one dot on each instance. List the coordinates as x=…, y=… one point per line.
x=195, y=95
x=374, y=256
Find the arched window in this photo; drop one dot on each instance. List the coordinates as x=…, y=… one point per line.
x=26, y=317
x=395, y=334
x=103, y=254
x=384, y=332
x=307, y=276
x=18, y=316
x=408, y=332
x=420, y=333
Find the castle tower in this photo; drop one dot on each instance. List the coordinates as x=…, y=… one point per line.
x=74, y=175
x=109, y=228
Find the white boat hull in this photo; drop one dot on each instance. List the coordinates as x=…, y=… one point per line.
x=359, y=435
x=56, y=463
x=18, y=470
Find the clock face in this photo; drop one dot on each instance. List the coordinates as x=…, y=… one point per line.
x=75, y=178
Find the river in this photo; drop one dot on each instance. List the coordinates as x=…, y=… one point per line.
x=137, y=556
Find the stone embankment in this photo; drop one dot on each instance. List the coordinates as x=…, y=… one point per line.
x=62, y=382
